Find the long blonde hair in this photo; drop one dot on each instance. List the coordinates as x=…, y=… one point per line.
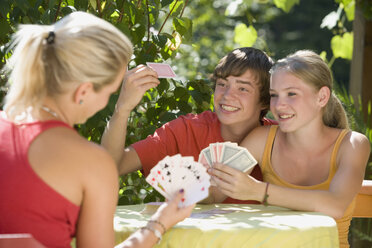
x=311, y=68
x=47, y=60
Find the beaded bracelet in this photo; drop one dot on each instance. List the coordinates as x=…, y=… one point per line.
x=266, y=195
x=159, y=223
x=155, y=231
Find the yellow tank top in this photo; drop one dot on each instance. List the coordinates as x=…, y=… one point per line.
x=269, y=175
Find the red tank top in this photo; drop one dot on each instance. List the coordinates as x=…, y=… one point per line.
x=27, y=203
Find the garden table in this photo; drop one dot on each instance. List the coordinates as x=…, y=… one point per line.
x=235, y=225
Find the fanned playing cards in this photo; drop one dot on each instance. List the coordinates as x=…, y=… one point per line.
x=174, y=173
x=227, y=153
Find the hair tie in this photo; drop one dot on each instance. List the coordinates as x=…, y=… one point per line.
x=50, y=38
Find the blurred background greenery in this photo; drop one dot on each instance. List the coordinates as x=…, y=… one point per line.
x=192, y=36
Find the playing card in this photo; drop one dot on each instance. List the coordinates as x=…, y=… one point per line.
x=163, y=70
x=230, y=149
x=173, y=173
x=207, y=155
x=229, y=154
x=153, y=180
x=242, y=161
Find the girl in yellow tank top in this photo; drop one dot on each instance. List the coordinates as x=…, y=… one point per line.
x=312, y=162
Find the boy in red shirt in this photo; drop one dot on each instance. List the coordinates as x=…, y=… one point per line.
x=241, y=100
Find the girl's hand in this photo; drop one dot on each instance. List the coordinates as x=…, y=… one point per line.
x=136, y=82
x=234, y=183
x=170, y=214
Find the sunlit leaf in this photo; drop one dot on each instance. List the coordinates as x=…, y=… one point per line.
x=349, y=7
x=176, y=8
x=93, y=3
x=342, y=46
x=286, y=5
x=245, y=36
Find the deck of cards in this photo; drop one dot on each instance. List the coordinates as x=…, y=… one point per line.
x=163, y=70
x=174, y=173
x=227, y=153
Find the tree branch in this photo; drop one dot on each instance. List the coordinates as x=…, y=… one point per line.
x=57, y=11
x=148, y=20
x=99, y=8
x=170, y=12
x=184, y=8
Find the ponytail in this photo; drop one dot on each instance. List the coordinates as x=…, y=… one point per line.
x=48, y=60
x=334, y=114
x=26, y=70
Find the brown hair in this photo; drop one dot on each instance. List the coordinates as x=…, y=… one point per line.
x=239, y=61
x=309, y=66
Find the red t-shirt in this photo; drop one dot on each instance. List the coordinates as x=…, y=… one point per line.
x=27, y=203
x=186, y=135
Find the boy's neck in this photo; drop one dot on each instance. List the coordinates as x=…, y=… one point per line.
x=237, y=132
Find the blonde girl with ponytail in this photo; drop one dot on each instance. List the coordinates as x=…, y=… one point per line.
x=55, y=184
x=311, y=161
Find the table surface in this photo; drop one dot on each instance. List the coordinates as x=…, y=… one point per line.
x=235, y=225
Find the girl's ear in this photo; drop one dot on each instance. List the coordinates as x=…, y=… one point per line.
x=82, y=92
x=323, y=96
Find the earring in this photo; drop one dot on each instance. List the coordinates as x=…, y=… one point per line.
x=81, y=102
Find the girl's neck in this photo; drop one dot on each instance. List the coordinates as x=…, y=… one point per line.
x=307, y=138
x=51, y=110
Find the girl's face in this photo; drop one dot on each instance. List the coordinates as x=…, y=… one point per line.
x=293, y=103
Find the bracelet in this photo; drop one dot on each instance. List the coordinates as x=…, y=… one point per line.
x=266, y=195
x=155, y=231
x=159, y=223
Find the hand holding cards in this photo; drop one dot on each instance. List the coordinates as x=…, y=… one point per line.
x=229, y=154
x=176, y=172
x=163, y=70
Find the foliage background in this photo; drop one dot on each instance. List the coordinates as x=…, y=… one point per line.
x=192, y=36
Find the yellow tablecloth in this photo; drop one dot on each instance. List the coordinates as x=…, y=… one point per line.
x=235, y=226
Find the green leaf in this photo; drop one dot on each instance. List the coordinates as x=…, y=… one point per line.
x=167, y=116
x=163, y=86
x=177, y=8
x=286, y=5
x=23, y=5
x=68, y=10
x=349, y=7
x=93, y=3
x=160, y=40
x=165, y=2
x=4, y=29
x=52, y=3
x=81, y=4
x=4, y=8
x=184, y=107
x=183, y=26
x=180, y=92
x=342, y=46
x=245, y=36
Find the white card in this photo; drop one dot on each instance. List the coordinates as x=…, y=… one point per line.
x=173, y=173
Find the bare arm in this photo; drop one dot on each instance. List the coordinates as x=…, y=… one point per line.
x=95, y=224
x=168, y=214
x=137, y=81
x=353, y=156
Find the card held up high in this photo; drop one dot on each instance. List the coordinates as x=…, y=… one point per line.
x=163, y=70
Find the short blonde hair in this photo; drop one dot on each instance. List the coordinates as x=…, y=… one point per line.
x=310, y=67
x=82, y=48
